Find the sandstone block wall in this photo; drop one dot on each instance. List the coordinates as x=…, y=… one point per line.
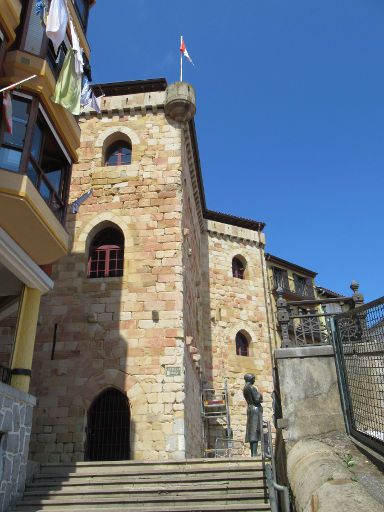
x=236, y=305
x=192, y=302
x=16, y=409
x=121, y=332
x=167, y=326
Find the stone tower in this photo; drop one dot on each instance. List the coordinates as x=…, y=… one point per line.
x=147, y=308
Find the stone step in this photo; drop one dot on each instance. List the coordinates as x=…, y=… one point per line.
x=75, y=479
x=145, y=467
x=181, y=489
x=210, y=507
x=132, y=502
x=133, y=480
x=132, y=483
x=117, y=471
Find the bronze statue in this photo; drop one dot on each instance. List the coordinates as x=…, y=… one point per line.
x=254, y=413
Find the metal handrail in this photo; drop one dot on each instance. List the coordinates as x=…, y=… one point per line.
x=270, y=472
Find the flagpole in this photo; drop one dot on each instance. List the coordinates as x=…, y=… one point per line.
x=181, y=59
x=17, y=83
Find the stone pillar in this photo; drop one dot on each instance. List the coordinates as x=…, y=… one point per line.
x=25, y=338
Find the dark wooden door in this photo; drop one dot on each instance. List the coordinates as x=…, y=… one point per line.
x=108, y=427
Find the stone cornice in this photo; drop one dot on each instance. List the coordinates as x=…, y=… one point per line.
x=227, y=232
x=194, y=174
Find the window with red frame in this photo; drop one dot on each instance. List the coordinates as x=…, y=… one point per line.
x=242, y=345
x=106, y=254
x=119, y=153
x=238, y=268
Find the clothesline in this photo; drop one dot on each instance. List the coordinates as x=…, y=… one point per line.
x=12, y=86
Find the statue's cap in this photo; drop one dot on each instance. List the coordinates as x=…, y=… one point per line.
x=249, y=377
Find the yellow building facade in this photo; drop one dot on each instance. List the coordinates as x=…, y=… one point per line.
x=35, y=170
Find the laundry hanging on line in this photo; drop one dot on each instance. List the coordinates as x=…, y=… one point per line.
x=68, y=86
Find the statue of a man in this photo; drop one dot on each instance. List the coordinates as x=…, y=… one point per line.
x=254, y=413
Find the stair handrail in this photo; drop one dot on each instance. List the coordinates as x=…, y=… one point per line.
x=269, y=465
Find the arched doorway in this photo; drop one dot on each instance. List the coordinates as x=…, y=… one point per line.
x=108, y=427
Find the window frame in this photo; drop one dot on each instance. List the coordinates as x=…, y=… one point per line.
x=106, y=249
x=3, y=49
x=83, y=19
x=240, y=348
x=117, y=147
x=55, y=197
x=236, y=269
x=46, y=51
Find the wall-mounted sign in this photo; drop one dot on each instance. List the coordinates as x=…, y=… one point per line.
x=173, y=371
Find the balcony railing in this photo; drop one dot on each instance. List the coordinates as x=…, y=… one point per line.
x=280, y=280
x=300, y=287
x=308, y=321
x=303, y=287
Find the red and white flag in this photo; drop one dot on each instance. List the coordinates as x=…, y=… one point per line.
x=7, y=111
x=184, y=51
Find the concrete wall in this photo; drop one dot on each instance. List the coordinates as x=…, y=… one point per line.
x=16, y=409
x=309, y=392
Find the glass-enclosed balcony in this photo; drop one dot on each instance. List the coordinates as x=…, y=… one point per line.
x=34, y=148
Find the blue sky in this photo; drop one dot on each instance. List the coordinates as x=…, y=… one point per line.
x=290, y=115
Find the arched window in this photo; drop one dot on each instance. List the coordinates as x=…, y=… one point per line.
x=238, y=267
x=242, y=345
x=118, y=153
x=106, y=254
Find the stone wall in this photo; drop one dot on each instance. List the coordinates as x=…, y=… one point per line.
x=194, y=437
x=120, y=332
x=237, y=305
x=169, y=323
x=192, y=304
x=16, y=409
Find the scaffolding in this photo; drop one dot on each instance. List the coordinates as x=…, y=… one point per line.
x=215, y=413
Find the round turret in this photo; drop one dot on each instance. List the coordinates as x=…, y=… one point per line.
x=180, y=102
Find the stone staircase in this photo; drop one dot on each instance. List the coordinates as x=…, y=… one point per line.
x=191, y=485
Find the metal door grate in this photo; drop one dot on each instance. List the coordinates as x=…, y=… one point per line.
x=108, y=427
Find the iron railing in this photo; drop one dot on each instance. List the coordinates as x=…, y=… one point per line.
x=309, y=322
x=359, y=349
x=5, y=374
x=301, y=287
x=269, y=466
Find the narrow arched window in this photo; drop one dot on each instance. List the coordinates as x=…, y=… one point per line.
x=118, y=153
x=238, y=267
x=106, y=254
x=242, y=345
